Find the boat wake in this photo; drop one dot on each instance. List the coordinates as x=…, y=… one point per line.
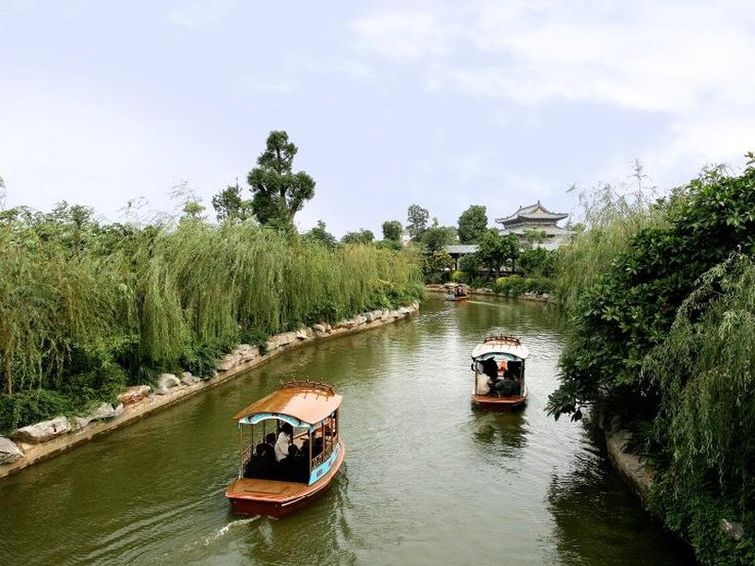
x=226, y=529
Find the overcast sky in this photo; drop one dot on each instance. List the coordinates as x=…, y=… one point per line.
x=443, y=104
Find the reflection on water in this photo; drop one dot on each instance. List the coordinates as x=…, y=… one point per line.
x=427, y=479
x=591, y=494
x=502, y=434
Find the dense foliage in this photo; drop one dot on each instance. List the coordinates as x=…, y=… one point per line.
x=416, y=221
x=705, y=370
x=86, y=308
x=496, y=251
x=361, y=236
x=662, y=336
x=472, y=224
x=436, y=238
x=278, y=192
x=229, y=204
x=392, y=230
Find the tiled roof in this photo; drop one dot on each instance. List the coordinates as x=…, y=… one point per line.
x=461, y=249
x=532, y=212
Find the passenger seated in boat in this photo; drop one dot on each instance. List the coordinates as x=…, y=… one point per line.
x=270, y=439
x=262, y=463
x=284, y=441
x=481, y=384
x=507, y=387
x=301, y=463
x=489, y=368
x=286, y=467
x=515, y=369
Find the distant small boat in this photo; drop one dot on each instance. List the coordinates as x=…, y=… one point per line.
x=309, y=411
x=456, y=291
x=498, y=365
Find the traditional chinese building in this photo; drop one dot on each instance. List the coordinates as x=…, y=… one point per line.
x=536, y=219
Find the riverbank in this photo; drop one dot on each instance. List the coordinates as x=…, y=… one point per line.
x=438, y=288
x=41, y=441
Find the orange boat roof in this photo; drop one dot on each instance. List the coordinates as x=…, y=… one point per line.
x=309, y=403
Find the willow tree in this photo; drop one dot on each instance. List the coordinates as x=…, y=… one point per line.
x=278, y=192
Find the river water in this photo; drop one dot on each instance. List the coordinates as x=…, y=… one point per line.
x=427, y=479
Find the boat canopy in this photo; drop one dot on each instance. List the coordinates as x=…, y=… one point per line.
x=299, y=403
x=501, y=345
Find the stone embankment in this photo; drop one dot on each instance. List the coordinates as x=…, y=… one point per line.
x=633, y=468
x=637, y=473
x=40, y=441
x=437, y=288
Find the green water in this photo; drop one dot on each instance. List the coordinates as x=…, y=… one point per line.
x=427, y=479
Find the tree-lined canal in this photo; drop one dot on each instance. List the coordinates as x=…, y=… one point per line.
x=427, y=479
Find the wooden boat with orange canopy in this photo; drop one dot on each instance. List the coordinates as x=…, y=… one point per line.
x=498, y=365
x=303, y=414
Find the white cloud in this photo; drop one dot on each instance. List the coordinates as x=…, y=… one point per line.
x=408, y=34
x=689, y=62
x=197, y=14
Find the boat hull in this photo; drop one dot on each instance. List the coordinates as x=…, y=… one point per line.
x=278, y=498
x=493, y=403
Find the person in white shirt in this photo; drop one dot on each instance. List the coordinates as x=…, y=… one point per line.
x=285, y=436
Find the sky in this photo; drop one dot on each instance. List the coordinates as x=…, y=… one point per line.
x=391, y=103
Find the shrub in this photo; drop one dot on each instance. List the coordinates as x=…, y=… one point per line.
x=29, y=407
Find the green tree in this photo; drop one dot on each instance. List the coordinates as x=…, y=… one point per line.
x=533, y=237
x=192, y=212
x=436, y=263
x=278, y=192
x=435, y=238
x=537, y=262
x=416, y=219
x=229, y=205
x=321, y=235
x=360, y=237
x=470, y=264
x=392, y=230
x=472, y=224
x=496, y=251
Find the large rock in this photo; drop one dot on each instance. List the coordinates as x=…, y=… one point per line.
x=360, y=319
x=247, y=352
x=44, y=431
x=9, y=452
x=166, y=382
x=351, y=323
x=105, y=411
x=188, y=379
x=229, y=361
x=305, y=334
x=319, y=328
x=134, y=394
x=280, y=340
x=77, y=423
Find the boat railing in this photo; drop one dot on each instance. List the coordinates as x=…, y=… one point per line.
x=502, y=338
x=319, y=385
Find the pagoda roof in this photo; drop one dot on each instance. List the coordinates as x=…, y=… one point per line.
x=461, y=249
x=532, y=212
